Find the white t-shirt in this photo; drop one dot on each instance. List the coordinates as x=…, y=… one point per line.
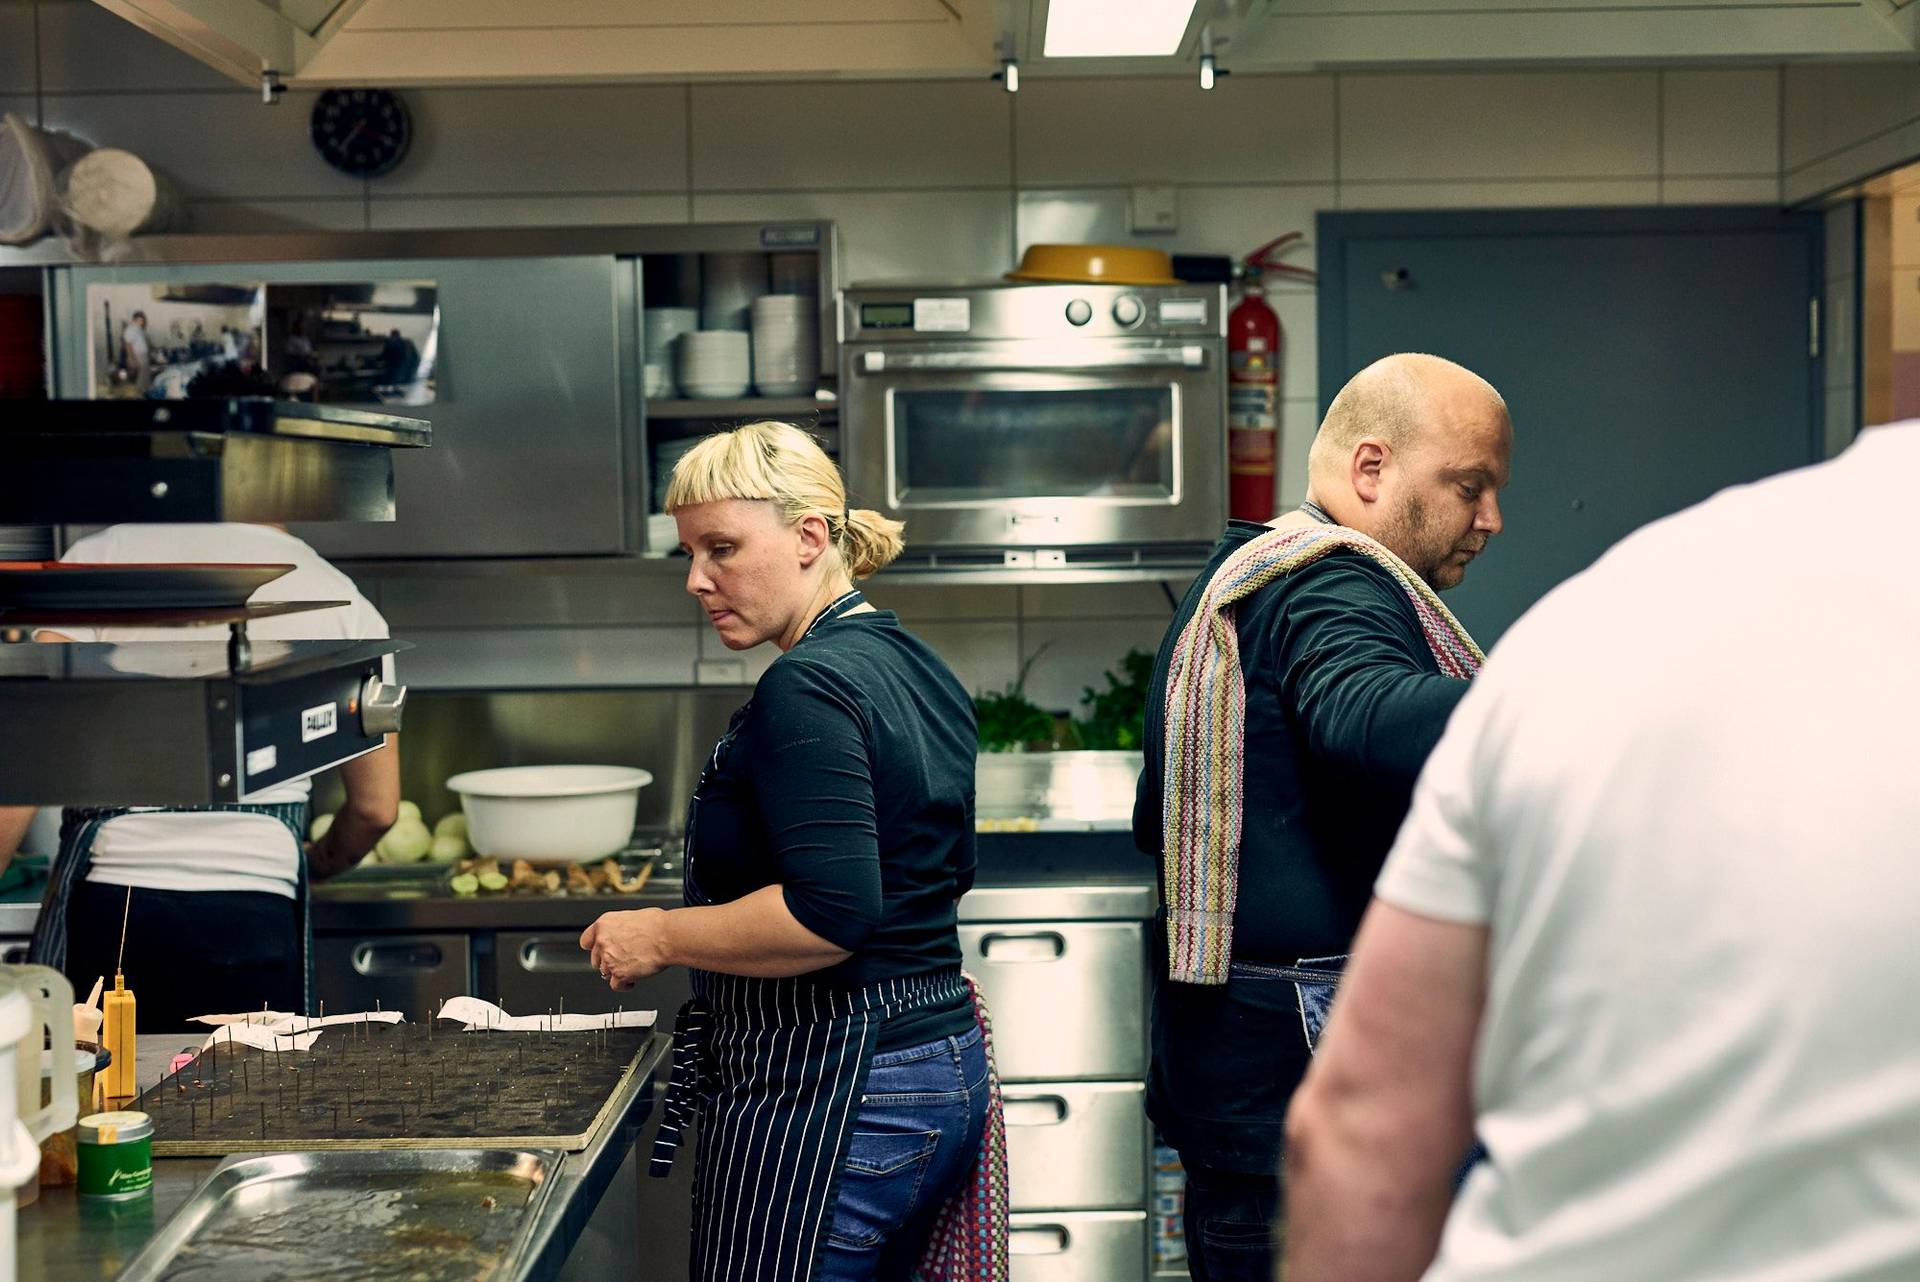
x=1684, y=796
x=206, y=852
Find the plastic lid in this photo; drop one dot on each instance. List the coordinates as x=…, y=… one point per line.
x=128, y=1124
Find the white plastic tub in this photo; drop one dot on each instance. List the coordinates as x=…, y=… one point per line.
x=550, y=812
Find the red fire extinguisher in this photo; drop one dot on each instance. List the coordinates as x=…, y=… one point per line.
x=1253, y=387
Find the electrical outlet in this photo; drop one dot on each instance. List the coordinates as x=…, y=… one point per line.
x=1155, y=209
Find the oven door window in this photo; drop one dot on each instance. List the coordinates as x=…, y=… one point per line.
x=954, y=448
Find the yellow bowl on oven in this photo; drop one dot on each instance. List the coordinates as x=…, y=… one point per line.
x=1095, y=265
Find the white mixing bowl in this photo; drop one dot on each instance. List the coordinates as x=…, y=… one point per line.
x=550, y=812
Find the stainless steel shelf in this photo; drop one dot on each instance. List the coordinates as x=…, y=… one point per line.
x=744, y=407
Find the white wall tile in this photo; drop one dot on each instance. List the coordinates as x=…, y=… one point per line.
x=1837, y=324
x=547, y=658
x=1107, y=130
x=1094, y=601
x=1720, y=191
x=387, y=212
x=1720, y=123
x=1498, y=195
x=1074, y=655
x=211, y=144
x=17, y=74
x=343, y=214
x=1499, y=125
x=984, y=656
x=1300, y=336
x=918, y=603
x=915, y=133
x=570, y=138
x=1299, y=420
x=891, y=235
x=1213, y=219
x=86, y=49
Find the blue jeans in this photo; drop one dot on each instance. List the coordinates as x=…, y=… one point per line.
x=913, y=1145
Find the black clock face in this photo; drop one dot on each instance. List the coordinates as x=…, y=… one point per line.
x=362, y=132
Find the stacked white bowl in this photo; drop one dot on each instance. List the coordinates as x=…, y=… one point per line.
x=728, y=285
x=660, y=328
x=786, y=345
x=714, y=364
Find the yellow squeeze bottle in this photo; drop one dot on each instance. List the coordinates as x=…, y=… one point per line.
x=116, y=1035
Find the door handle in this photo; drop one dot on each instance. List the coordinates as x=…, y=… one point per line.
x=1045, y=359
x=1039, y=1239
x=1034, y=1110
x=1023, y=946
x=549, y=956
x=374, y=959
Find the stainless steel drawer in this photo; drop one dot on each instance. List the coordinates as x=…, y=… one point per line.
x=413, y=973
x=1074, y=1146
x=1084, y=1246
x=538, y=970
x=1068, y=998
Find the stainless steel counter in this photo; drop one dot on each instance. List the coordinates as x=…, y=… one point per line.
x=62, y=1239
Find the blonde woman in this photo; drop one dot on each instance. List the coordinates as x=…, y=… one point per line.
x=832, y=1048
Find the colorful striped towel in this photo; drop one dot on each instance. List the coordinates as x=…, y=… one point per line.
x=1206, y=711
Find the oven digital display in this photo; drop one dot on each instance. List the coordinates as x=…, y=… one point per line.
x=886, y=316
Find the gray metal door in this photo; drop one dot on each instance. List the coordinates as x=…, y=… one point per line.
x=1650, y=358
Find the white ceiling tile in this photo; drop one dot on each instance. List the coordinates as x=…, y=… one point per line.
x=1476, y=126
x=891, y=235
x=1720, y=122
x=571, y=138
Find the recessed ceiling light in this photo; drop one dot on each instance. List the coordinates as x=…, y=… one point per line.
x=1115, y=28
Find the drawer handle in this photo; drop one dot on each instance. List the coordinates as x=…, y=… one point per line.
x=1039, y=1239
x=1023, y=946
x=373, y=959
x=546, y=956
x=1034, y=1110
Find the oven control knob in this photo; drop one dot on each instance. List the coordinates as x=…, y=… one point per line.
x=1079, y=312
x=1128, y=310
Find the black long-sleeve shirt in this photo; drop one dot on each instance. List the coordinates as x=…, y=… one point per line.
x=848, y=782
x=1344, y=704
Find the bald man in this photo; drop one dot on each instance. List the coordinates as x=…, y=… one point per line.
x=1341, y=694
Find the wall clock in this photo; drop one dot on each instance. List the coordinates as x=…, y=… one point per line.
x=363, y=133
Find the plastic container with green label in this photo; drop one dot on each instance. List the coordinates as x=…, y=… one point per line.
x=116, y=1155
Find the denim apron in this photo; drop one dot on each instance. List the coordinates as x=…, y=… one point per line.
x=79, y=827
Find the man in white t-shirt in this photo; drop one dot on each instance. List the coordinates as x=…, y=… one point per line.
x=215, y=891
x=1650, y=929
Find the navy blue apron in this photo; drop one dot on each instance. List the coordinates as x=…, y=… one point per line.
x=78, y=828
x=772, y=1070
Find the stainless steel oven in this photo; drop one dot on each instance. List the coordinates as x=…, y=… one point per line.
x=1037, y=417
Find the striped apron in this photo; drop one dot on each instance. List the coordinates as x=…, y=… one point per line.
x=773, y=1069
x=79, y=827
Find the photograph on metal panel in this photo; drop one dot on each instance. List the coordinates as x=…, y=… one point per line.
x=368, y=343
x=171, y=341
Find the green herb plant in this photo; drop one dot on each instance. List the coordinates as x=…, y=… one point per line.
x=1011, y=722
x=1116, y=716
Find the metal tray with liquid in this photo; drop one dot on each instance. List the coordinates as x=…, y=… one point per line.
x=427, y=1214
